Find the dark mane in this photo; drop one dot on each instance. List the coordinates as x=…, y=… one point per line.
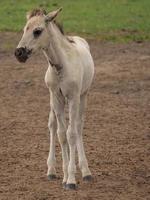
x=36, y=12
x=59, y=26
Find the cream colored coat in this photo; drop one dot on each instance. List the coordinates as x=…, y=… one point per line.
x=68, y=77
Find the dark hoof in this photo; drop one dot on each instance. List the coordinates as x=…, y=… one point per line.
x=51, y=177
x=64, y=185
x=88, y=178
x=71, y=186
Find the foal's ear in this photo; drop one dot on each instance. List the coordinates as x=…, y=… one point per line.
x=52, y=15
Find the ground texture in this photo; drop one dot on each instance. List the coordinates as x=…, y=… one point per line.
x=116, y=132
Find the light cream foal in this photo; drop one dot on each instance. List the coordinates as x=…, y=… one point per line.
x=68, y=77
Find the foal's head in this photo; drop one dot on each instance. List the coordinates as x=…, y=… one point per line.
x=35, y=36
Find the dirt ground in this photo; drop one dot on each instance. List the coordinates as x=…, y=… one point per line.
x=116, y=132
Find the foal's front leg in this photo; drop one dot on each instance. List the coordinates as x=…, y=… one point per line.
x=51, y=161
x=59, y=108
x=72, y=138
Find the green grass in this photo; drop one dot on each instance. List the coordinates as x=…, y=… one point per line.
x=104, y=19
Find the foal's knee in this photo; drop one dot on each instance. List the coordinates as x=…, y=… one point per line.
x=52, y=123
x=62, y=137
x=71, y=136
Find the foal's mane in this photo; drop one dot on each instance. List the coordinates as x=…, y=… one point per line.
x=36, y=12
x=41, y=12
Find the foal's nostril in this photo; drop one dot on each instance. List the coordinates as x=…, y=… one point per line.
x=19, y=52
x=22, y=54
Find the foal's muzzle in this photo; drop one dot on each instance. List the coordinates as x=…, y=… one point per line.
x=22, y=54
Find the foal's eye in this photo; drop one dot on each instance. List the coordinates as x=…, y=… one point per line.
x=37, y=33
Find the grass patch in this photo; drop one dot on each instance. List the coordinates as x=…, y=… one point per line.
x=121, y=20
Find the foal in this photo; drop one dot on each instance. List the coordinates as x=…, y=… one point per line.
x=68, y=77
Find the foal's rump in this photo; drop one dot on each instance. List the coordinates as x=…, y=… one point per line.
x=78, y=41
x=86, y=61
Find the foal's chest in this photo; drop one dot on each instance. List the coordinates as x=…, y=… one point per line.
x=52, y=78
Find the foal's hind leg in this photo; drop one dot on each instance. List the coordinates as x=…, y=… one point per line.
x=83, y=164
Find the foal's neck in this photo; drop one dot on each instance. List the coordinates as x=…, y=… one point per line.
x=58, y=46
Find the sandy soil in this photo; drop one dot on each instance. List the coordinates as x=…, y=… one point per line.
x=116, y=132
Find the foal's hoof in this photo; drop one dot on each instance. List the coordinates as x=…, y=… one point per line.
x=51, y=177
x=87, y=178
x=71, y=186
x=64, y=185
